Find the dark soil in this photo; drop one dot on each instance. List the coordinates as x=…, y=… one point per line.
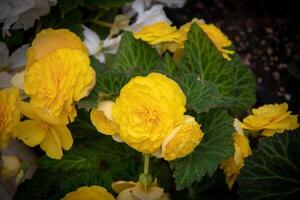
x=267, y=36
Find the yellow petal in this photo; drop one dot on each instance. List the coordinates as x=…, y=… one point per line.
x=41, y=114
x=152, y=193
x=26, y=109
x=31, y=132
x=64, y=135
x=51, y=145
x=119, y=186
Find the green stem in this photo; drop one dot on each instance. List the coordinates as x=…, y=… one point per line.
x=146, y=163
x=100, y=23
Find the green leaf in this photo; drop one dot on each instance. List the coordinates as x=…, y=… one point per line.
x=234, y=81
x=135, y=56
x=82, y=126
x=273, y=171
x=99, y=154
x=68, y=5
x=42, y=186
x=72, y=20
x=108, y=86
x=201, y=96
x=208, y=188
x=244, y=86
x=216, y=145
x=169, y=65
x=78, y=158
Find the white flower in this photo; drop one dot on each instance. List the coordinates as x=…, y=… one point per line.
x=5, y=79
x=22, y=13
x=172, y=3
x=144, y=18
x=99, y=48
x=12, y=63
x=139, y=6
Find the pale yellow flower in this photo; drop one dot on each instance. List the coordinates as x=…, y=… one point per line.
x=58, y=80
x=161, y=35
x=147, y=110
x=49, y=40
x=233, y=165
x=102, y=119
x=93, y=192
x=44, y=129
x=136, y=191
x=271, y=119
x=10, y=166
x=182, y=140
x=9, y=114
x=219, y=39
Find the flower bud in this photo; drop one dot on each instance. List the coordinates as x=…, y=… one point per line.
x=10, y=166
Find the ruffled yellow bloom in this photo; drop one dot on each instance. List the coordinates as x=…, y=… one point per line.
x=101, y=118
x=48, y=41
x=161, y=35
x=271, y=119
x=136, y=191
x=147, y=110
x=10, y=166
x=58, y=80
x=89, y=193
x=183, y=139
x=233, y=165
x=9, y=114
x=219, y=39
x=43, y=129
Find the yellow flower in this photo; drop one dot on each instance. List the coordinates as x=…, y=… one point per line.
x=160, y=34
x=136, y=191
x=271, y=119
x=101, y=118
x=182, y=140
x=48, y=41
x=9, y=114
x=56, y=81
x=147, y=110
x=43, y=129
x=233, y=165
x=93, y=192
x=10, y=166
x=219, y=39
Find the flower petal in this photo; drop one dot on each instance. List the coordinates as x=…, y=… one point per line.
x=119, y=186
x=64, y=135
x=51, y=145
x=31, y=132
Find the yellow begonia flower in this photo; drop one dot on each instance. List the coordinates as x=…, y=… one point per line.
x=147, y=110
x=9, y=114
x=271, y=119
x=44, y=129
x=10, y=166
x=93, y=192
x=136, y=191
x=219, y=39
x=56, y=81
x=233, y=165
x=101, y=118
x=182, y=140
x=161, y=35
x=48, y=41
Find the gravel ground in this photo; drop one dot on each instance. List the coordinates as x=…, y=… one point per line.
x=267, y=36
